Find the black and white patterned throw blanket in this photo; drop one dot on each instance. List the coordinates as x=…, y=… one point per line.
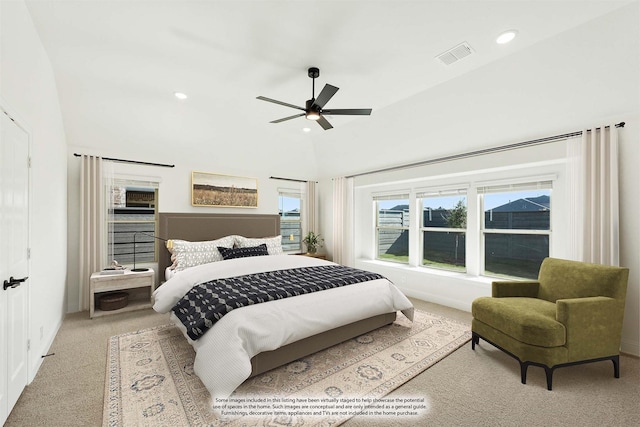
x=207, y=302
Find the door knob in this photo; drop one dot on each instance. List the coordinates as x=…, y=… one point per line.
x=13, y=283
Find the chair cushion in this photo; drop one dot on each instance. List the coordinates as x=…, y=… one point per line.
x=528, y=320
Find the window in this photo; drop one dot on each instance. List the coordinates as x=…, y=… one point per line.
x=444, y=229
x=290, y=207
x=497, y=228
x=133, y=210
x=516, y=228
x=392, y=228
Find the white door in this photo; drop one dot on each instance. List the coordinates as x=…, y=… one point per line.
x=14, y=262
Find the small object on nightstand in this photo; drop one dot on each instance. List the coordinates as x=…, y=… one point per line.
x=115, y=268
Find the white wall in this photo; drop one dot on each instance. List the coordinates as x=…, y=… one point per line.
x=28, y=92
x=583, y=78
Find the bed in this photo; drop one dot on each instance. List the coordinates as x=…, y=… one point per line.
x=260, y=337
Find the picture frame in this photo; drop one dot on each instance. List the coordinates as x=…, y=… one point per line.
x=211, y=189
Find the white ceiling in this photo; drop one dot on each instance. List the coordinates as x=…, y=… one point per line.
x=117, y=63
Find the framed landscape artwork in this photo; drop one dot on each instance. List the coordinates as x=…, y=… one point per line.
x=210, y=189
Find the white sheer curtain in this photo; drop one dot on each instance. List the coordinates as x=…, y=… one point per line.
x=343, y=221
x=593, y=191
x=92, y=256
x=310, y=207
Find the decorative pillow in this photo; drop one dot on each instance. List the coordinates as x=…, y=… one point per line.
x=231, y=253
x=189, y=254
x=274, y=244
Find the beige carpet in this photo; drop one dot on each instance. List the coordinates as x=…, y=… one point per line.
x=150, y=379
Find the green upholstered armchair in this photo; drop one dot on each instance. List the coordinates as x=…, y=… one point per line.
x=572, y=314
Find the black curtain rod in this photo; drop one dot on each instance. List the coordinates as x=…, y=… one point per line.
x=479, y=152
x=131, y=161
x=288, y=179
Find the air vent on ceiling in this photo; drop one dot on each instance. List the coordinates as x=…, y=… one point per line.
x=455, y=54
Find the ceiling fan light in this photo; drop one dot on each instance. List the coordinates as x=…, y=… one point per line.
x=313, y=115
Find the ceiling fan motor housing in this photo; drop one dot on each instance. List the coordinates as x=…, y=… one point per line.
x=314, y=72
x=313, y=111
x=311, y=107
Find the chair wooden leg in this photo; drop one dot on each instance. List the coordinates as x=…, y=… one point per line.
x=523, y=372
x=549, y=372
x=616, y=366
x=475, y=339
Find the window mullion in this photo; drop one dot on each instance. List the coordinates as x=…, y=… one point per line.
x=515, y=231
x=444, y=230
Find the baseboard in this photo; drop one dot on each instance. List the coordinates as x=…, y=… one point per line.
x=434, y=298
x=36, y=356
x=630, y=347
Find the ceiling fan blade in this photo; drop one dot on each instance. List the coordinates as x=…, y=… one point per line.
x=324, y=123
x=288, y=118
x=325, y=95
x=262, y=98
x=348, y=112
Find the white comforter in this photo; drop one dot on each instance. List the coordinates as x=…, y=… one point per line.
x=223, y=354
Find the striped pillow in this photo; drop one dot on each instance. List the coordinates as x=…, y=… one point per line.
x=231, y=253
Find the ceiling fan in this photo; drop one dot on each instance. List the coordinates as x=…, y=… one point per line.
x=314, y=107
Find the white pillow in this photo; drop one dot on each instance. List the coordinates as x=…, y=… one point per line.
x=274, y=244
x=189, y=254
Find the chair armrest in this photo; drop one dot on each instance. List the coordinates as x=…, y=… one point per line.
x=593, y=325
x=515, y=289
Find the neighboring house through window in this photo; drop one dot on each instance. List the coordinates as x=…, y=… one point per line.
x=132, y=216
x=290, y=207
x=516, y=228
x=392, y=227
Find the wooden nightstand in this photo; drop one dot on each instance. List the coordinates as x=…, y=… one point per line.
x=139, y=286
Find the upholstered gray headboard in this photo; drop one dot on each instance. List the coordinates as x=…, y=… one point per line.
x=202, y=226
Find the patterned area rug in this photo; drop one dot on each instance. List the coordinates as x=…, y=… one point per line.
x=150, y=379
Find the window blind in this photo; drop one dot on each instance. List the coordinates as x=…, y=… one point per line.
x=421, y=194
x=136, y=183
x=391, y=196
x=505, y=188
x=522, y=184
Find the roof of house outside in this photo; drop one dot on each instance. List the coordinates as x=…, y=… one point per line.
x=533, y=204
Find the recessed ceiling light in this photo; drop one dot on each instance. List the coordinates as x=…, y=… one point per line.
x=306, y=130
x=506, y=36
x=180, y=95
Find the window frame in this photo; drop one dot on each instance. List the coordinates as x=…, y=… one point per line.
x=293, y=194
x=131, y=185
x=397, y=196
x=520, y=185
x=435, y=193
x=367, y=234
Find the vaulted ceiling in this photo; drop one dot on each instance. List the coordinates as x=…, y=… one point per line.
x=117, y=64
